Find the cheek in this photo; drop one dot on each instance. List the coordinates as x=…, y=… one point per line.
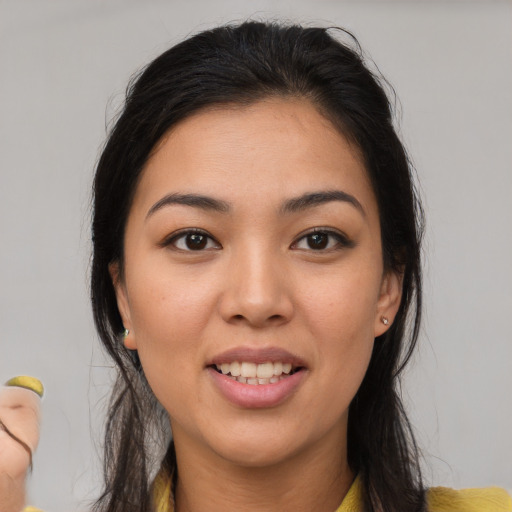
x=339, y=312
x=169, y=315
x=170, y=305
x=342, y=304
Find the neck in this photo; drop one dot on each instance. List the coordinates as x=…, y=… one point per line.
x=316, y=479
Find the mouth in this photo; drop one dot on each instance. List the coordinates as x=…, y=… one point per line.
x=256, y=374
x=256, y=378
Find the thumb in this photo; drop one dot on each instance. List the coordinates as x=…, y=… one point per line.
x=20, y=413
x=20, y=409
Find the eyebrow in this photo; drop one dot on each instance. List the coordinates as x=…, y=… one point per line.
x=293, y=205
x=193, y=200
x=313, y=199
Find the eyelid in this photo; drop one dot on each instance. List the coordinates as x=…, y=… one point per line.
x=343, y=240
x=171, y=239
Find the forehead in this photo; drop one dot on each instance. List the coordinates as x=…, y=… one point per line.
x=264, y=151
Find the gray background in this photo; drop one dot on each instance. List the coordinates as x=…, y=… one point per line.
x=64, y=67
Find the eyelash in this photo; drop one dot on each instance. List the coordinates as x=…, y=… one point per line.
x=341, y=240
x=182, y=235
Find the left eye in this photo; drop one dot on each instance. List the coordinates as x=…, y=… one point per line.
x=193, y=241
x=321, y=240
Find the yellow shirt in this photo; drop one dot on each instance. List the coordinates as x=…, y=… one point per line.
x=439, y=499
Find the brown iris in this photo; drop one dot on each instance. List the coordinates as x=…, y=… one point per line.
x=196, y=241
x=318, y=241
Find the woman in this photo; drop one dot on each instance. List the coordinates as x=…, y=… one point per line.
x=225, y=231
x=255, y=219
x=256, y=279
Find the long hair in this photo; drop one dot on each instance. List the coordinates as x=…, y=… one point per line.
x=241, y=64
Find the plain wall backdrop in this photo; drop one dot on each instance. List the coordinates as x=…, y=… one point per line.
x=64, y=65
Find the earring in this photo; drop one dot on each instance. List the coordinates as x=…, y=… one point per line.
x=384, y=320
x=125, y=333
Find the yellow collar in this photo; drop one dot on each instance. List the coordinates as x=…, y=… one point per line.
x=164, y=501
x=439, y=499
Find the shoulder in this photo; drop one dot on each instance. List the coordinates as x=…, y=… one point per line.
x=489, y=499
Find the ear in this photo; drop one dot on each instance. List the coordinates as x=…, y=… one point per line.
x=389, y=301
x=123, y=305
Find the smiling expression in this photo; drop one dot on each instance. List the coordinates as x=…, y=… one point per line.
x=253, y=284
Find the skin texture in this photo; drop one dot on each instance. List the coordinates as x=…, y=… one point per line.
x=20, y=412
x=257, y=283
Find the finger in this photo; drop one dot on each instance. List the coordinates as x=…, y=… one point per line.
x=24, y=381
x=20, y=412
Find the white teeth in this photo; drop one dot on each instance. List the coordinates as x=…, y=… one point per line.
x=251, y=373
x=235, y=369
x=248, y=370
x=265, y=371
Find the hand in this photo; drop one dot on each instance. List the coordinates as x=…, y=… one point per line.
x=20, y=410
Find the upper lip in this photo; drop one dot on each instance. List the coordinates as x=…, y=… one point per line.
x=257, y=356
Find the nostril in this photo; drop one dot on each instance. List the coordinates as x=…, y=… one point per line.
x=272, y=318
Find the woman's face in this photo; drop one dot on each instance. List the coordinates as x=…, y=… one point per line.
x=253, y=282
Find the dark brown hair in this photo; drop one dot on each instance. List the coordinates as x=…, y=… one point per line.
x=241, y=64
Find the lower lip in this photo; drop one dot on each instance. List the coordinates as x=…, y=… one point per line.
x=257, y=396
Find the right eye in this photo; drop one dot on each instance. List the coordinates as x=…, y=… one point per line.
x=192, y=240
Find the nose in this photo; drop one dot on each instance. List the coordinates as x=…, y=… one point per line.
x=257, y=291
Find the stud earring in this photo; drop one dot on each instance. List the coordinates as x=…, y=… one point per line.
x=384, y=320
x=125, y=333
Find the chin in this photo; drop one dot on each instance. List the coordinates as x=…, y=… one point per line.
x=254, y=459
x=257, y=450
